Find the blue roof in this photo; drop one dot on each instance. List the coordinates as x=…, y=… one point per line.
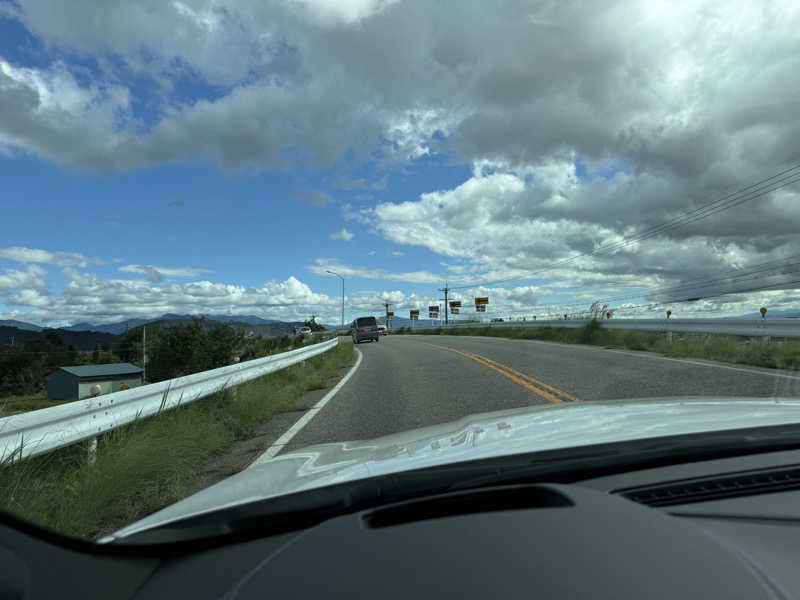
x=103, y=370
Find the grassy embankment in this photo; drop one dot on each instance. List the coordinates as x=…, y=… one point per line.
x=151, y=463
x=777, y=354
x=11, y=405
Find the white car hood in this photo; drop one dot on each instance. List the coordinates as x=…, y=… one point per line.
x=484, y=435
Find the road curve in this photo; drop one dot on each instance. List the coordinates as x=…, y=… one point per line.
x=406, y=382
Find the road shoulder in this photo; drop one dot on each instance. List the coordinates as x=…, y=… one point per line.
x=243, y=452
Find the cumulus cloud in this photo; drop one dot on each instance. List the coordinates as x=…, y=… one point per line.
x=645, y=85
x=158, y=274
x=32, y=278
x=557, y=226
x=342, y=234
x=653, y=110
x=89, y=297
x=60, y=259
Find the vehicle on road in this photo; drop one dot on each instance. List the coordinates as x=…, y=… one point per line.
x=365, y=328
x=306, y=331
x=382, y=329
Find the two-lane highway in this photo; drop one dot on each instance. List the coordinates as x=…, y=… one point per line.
x=406, y=382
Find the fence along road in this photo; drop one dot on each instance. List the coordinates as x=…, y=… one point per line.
x=39, y=431
x=745, y=327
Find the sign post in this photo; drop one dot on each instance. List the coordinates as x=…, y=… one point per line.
x=433, y=312
x=480, y=303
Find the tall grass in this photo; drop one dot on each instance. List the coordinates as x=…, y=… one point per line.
x=778, y=354
x=154, y=462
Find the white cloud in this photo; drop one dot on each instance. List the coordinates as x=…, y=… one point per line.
x=644, y=117
x=371, y=253
x=648, y=87
x=398, y=253
x=340, y=12
x=60, y=259
x=91, y=298
x=551, y=226
x=158, y=274
x=342, y=234
x=14, y=280
x=321, y=265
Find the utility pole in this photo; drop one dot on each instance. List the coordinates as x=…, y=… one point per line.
x=144, y=353
x=446, y=290
x=386, y=305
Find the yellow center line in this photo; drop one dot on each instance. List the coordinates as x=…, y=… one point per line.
x=514, y=378
x=532, y=379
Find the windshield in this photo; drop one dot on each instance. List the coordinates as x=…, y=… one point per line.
x=511, y=206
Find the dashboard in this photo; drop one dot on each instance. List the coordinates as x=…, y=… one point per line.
x=725, y=528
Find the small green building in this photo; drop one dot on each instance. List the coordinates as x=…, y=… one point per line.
x=79, y=382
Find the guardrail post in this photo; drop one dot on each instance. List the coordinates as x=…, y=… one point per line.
x=92, y=450
x=669, y=337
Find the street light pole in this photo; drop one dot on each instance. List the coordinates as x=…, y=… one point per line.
x=342, y=278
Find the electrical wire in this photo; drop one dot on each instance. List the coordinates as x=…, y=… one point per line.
x=757, y=190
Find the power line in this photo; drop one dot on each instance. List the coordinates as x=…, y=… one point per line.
x=703, y=282
x=746, y=194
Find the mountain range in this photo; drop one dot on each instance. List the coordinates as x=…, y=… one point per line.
x=123, y=326
x=20, y=325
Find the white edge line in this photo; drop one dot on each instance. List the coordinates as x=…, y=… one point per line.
x=273, y=450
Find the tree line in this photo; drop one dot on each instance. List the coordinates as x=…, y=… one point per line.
x=191, y=347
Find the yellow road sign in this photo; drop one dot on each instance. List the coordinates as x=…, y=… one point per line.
x=480, y=301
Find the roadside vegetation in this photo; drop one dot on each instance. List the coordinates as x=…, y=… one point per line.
x=190, y=347
x=12, y=405
x=154, y=462
x=777, y=354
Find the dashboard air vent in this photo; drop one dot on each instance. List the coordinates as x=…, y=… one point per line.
x=716, y=488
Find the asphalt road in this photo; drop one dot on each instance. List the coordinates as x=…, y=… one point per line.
x=405, y=382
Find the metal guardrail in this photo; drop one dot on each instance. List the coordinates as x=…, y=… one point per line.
x=746, y=327
x=40, y=431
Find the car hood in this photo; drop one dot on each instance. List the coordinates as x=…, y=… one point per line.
x=479, y=436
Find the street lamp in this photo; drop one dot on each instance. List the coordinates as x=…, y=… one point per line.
x=342, y=278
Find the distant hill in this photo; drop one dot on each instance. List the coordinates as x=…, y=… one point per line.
x=168, y=320
x=82, y=340
x=115, y=328
x=20, y=325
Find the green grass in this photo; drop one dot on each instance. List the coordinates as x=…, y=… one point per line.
x=778, y=354
x=11, y=405
x=153, y=462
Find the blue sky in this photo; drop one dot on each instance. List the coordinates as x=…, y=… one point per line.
x=200, y=156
